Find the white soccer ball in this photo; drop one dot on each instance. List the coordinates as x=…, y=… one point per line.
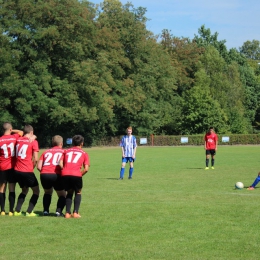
x=239, y=185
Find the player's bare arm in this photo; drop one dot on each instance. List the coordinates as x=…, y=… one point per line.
x=35, y=158
x=61, y=164
x=32, y=138
x=85, y=169
x=39, y=165
x=16, y=131
x=134, y=153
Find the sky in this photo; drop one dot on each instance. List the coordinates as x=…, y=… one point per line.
x=235, y=21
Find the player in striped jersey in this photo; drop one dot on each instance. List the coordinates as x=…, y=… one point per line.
x=128, y=145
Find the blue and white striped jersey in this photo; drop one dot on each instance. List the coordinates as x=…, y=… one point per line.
x=128, y=143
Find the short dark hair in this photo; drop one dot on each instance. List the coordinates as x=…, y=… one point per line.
x=7, y=126
x=27, y=129
x=57, y=140
x=77, y=140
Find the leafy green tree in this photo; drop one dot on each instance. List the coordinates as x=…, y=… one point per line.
x=205, y=38
x=53, y=41
x=200, y=110
x=185, y=55
x=144, y=91
x=251, y=49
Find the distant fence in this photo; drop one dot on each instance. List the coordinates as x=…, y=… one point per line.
x=170, y=140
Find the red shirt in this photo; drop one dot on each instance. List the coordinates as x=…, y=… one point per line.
x=50, y=160
x=24, y=153
x=211, y=140
x=73, y=160
x=7, y=151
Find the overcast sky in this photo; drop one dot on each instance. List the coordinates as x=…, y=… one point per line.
x=235, y=21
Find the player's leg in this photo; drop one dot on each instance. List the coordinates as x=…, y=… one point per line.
x=32, y=182
x=207, y=159
x=131, y=169
x=33, y=201
x=59, y=188
x=11, y=186
x=21, y=198
x=78, y=184
x=61, y=202
x=2, y=198
x=256, y=181
x=11, y=198
x=213, y=153
x=20, y=201
x=69, y=203
x=47, y=181
x=46, y=201
x=122, y=170
x=3, y=181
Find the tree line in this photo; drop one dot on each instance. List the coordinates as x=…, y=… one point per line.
x=71, y=67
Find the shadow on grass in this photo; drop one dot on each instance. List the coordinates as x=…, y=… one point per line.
x=109, y=178
x=245, y=187
x=40, y=213
x=195, y=168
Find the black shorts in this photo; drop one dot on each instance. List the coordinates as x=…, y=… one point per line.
x=26, y=179
x=211, y=151
x=49, y=180
x=72, y=183
x=7, y=176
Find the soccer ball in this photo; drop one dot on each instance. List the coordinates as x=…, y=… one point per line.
x=239, y=185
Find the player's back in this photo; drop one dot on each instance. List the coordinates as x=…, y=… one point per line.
x=7, y=151
x=73, y=159
x=50, y=160
x=24, y=154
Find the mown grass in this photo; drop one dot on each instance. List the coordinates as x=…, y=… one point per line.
x=171, y=209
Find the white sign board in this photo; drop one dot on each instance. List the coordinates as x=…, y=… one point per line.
x=143, y=140
x=225, y=139
x=184, y=140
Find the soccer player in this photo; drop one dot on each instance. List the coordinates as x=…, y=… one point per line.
x=128, y=145
x=211, y=146
x=26, y=160
x=7, y=160
x=74, y=164
x=50, y=170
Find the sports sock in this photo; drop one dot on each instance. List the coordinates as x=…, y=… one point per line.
x=212, y=162
x=20, y=202
x=207, y=162
x=46, y=202
x=2, y=201
x=11, y=201
x=61, y=204
x=77, y=201
x=131, y=170
x=122, y=172
x=68, y=202
x=32, y=202
x=256, y=181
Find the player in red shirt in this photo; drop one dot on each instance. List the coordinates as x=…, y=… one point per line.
x=50, y=175
x=26, y=160
x=7, y=160
x=211, y=146
x=74, y=164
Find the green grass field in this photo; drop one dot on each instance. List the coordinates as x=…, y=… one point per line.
x=171, y=209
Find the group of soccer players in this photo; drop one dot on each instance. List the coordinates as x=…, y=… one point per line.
x=60, y=169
